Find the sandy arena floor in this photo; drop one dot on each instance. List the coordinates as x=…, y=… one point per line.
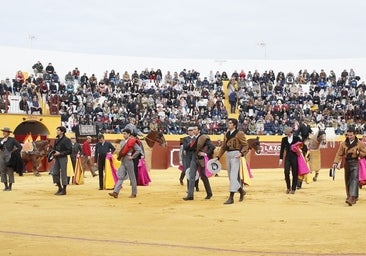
x=314, y=221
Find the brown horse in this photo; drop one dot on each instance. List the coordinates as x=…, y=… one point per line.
x=39, y=152
x=253, y=144
x=148, y=143
x=319, y=138
x=155, y=137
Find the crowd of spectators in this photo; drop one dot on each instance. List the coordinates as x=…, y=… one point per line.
x=172, y=101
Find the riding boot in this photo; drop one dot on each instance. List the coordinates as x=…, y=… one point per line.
x=10, y=185
x=59, y=188
x=6, y=186
x=230, y=200
x=299, y=184
x=242, y=194
x=64, y=190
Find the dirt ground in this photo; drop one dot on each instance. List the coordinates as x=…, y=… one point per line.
x=314, y=221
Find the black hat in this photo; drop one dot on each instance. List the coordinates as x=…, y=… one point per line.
x=51, y=155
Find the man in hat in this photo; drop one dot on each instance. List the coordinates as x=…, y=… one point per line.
x=101, y=149
x=236, y=146
x=351, y=149
x=290, y=159
x=200, y=146
x=86, y=156
x=63, y=148
x=8, y=161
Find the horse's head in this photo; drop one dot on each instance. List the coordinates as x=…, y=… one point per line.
x=43, y=147
x=255, y=145
x=155, y=136
x=161, y=139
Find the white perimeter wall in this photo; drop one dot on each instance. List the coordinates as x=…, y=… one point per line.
x=13, y=59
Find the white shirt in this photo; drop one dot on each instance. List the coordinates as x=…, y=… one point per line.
x=290, y=138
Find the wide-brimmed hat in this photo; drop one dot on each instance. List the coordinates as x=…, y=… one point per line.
x=214, y=166
x=187, y=174
x=6, y=129
x=51, y=155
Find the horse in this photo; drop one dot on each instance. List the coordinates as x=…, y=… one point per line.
x=319, y=138
x=39, y=152
x=148, y=143
x=253, y=145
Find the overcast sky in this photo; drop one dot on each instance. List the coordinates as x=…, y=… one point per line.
x=206, y=29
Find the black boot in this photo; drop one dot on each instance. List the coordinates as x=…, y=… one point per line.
x=6, y=188
x=315, y=178
x=299, y=184
x=230, y=200
x=196, y=185
x=242, y=194
x=10, y=185
x=63, y=192
x=59, y=188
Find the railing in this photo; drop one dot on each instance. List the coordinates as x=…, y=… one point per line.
x=12, y=105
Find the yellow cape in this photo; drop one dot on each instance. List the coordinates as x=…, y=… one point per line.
x=79, y=176
x=244, y=172
x=108, y=178
x=70, y=170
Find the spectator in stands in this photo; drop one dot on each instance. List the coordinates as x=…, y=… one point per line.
x=233, y=99
x=76, y=74
x=268, y=127
x=4, y=104
x=55, y=78
x=37, y=68
x=50, y=69
x=341, y=127
x=35, y=106
x=23, y=104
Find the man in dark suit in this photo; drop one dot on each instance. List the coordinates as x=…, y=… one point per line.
x=101, y=149
x=200, y=146
x=59, y=169
x=290, y=159
x=186, y=157
x=75, y=152
x=9, y=148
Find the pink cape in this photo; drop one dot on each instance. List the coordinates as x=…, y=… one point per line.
x=303, y=167
x=362, y=171
x=143, y=178
x=207, y=172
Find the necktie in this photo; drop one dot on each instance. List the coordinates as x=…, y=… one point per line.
x=193, y=140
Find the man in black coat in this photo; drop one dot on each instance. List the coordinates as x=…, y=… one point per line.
x=9, y=148
x=290, y=159
x=63, y=148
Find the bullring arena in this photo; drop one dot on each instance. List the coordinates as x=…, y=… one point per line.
x=314, y=221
